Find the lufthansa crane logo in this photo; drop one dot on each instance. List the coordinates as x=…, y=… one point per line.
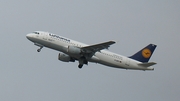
x=146, y=53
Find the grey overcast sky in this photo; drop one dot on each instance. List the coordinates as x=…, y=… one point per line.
x=26, y=75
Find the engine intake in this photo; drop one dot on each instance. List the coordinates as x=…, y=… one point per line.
x=65, y=58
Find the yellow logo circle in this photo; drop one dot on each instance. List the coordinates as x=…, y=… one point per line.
x=146, y=53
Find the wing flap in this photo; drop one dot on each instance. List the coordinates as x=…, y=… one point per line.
x=147, y=64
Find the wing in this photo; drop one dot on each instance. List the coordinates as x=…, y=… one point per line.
x=97, y=47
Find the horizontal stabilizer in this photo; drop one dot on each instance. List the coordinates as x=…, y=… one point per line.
x=147, y=64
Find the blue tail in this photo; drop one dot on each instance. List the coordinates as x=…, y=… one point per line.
x=145, y=54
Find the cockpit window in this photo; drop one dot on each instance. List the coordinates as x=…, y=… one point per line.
x=36, y=32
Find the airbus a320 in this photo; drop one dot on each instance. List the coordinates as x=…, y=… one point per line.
x=71, y=51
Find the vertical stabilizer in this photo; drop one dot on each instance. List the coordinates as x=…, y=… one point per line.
x=145, y=54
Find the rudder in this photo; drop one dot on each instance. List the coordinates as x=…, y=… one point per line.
x=145, y=54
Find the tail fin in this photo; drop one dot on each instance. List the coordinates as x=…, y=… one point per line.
x=145, y=54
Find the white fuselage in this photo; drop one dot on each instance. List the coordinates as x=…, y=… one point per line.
x=104, y=57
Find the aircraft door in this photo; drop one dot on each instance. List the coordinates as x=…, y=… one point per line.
x=127, y=62
x=44, y=36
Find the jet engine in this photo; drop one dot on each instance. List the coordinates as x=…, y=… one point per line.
x=65, y=58
x=73, y=50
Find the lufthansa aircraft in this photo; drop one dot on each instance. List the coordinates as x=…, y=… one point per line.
x=72, y=50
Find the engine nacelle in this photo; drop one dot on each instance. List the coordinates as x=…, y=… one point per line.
x=73, y=50
x=64, y=57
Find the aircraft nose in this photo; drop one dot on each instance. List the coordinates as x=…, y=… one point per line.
x=28, y=36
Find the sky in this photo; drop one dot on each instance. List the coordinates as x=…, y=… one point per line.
x=26, y=75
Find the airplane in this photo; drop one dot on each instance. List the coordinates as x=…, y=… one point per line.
x=71, y=51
